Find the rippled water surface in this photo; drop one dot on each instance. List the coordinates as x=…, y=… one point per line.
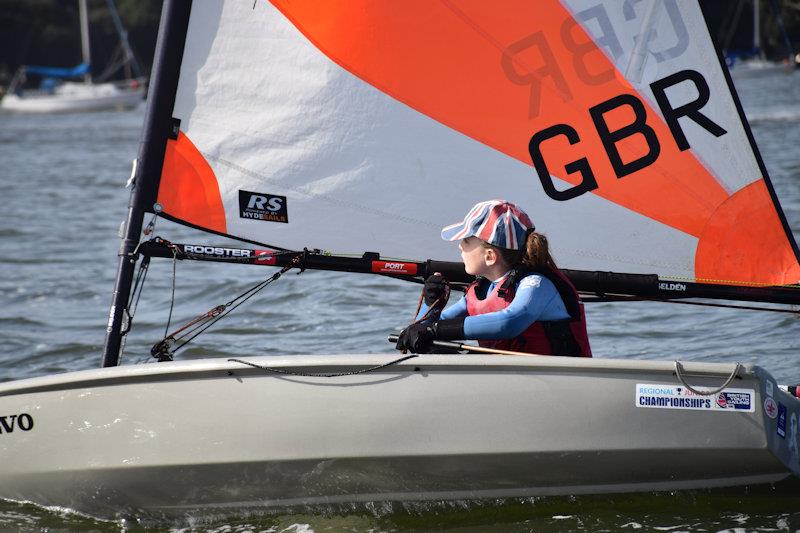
x=62, y=186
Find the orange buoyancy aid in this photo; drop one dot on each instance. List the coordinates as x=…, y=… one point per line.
x=559, y=337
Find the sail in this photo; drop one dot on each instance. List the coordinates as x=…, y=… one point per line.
x=354, y=126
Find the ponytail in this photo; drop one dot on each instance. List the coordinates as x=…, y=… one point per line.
x=537, y=253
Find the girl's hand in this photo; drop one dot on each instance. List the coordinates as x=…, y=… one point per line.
x=416, y=338
x=436, y=288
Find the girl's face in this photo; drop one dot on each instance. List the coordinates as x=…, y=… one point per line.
x=475, y=256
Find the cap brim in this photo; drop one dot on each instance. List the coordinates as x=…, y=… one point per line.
x=455, y=232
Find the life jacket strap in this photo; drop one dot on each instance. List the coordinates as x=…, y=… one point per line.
x=562, y=340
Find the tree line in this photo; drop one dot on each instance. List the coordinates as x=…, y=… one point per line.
x=46, y=32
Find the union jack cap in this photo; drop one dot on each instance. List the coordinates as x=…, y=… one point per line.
x=497, y=222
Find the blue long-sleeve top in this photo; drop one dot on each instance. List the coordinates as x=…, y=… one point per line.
x=536, y=298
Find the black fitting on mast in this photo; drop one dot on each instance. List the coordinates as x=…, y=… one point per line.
x=158, y=121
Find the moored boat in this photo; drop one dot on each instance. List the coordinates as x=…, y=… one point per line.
x=70, y=97
x=59, y=91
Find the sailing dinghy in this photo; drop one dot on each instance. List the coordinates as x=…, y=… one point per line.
x=59, y=93
x=342, y=136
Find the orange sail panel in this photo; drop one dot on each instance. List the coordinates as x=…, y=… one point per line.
x=188, y=190
x=745, y=240
x=500, y=75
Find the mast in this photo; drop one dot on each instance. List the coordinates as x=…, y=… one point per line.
x=166, y=68
x=757, y=29
x=130, y=59
x=85, y=49
x=787, y=43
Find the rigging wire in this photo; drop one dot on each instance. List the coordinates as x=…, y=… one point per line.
x=141, y=277
x=136, y=293
x=593, y=298
x=174, y=276
x=133, y=301
x=164, y=350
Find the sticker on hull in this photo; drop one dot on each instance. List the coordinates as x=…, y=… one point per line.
x=662, y=396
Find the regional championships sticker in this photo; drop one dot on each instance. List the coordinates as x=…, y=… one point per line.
x=660, y=396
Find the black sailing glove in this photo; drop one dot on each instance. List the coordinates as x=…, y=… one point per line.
x=436, y=288
x=416, y=338
x=419, y=337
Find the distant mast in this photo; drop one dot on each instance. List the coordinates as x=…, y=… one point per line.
x=87, y=58
x=757, y=29
x=132, y=68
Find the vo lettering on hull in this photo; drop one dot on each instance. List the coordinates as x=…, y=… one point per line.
x=9, y=423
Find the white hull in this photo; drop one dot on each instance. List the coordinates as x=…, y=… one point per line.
x=75, y=97
x=759, y=68
x=170, y=437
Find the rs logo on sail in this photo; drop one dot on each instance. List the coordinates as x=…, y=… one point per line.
x=263, y=206
x=23, y=421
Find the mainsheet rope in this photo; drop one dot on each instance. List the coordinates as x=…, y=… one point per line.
x=436, y=305
x=320, y=375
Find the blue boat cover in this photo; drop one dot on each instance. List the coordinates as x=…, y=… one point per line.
x=56, y=72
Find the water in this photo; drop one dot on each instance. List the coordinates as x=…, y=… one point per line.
x=62, y=184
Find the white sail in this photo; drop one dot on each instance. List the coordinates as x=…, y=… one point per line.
x=367, y=126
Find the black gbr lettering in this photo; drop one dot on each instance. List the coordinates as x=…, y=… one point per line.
x=588, y=181
x=610, y=138
x=690, y=110
x=638, y=126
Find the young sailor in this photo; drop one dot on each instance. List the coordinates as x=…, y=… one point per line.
x=520, y=300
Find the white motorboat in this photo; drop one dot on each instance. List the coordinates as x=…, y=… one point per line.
x=342, y=137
